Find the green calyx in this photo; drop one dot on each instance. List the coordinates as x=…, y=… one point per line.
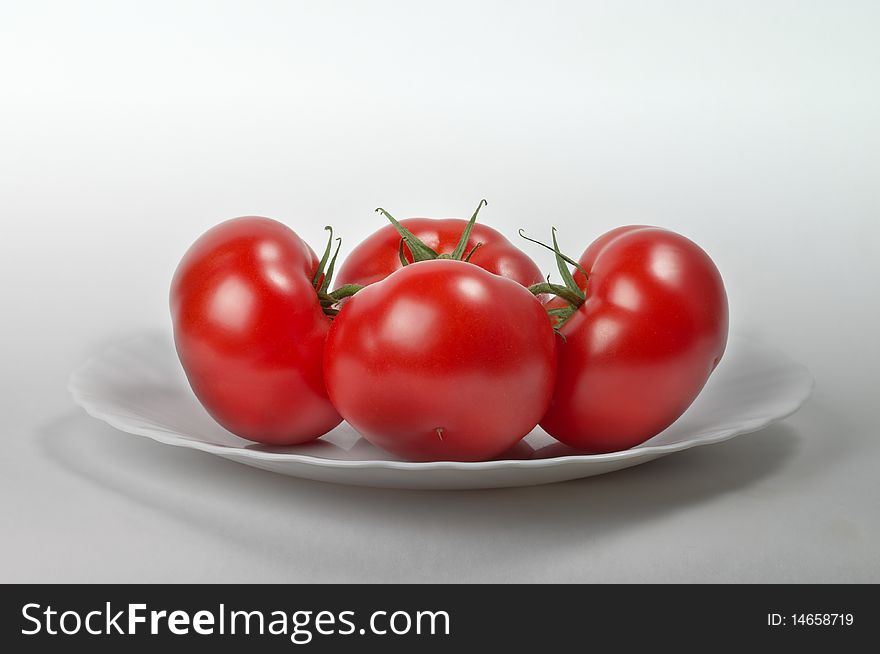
x=422, y=252
x=324, y=275
x=570, y=292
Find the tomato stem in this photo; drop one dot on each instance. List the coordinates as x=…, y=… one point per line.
x=323, y=262
x=573, y=294
x=471, y=253
x=561, y=259
x=344, y=291
x=400, y=254
x=324, y=275
x=326, y=283
x=420, y=251
x=458, y=252
x=573, y=298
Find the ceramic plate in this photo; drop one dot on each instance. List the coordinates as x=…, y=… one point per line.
x=139, y=387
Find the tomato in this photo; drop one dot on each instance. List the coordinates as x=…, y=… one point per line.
x=379, y=255
x=249, y=329
x=441, y=360
x=639, y=348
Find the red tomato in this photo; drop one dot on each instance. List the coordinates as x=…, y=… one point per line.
x=638, y=351
x=441, y=361
x=378, y=255
x=250, y=331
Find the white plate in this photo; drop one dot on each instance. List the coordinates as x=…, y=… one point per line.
x=139, y=387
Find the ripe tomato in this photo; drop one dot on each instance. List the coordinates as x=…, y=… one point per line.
x=379, y=255
x=249, y=329
x=441, y=361
x=638, y=350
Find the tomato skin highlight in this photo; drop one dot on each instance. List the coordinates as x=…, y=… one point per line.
x=442, y=361
x=250, y=332
x=637, y=353
x=377, y=256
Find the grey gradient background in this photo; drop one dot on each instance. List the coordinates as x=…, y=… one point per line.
x=127, y=129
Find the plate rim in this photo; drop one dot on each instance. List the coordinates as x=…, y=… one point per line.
x=82, y=399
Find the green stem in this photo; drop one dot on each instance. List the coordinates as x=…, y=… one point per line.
x=420, y=251
x=326, y=284
x=458, y=252
x=323, y=262
x=570, y=296
x=560, y=258
x=471, y=253
x=344, y=291
x=401, y=256
x=327, y=300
